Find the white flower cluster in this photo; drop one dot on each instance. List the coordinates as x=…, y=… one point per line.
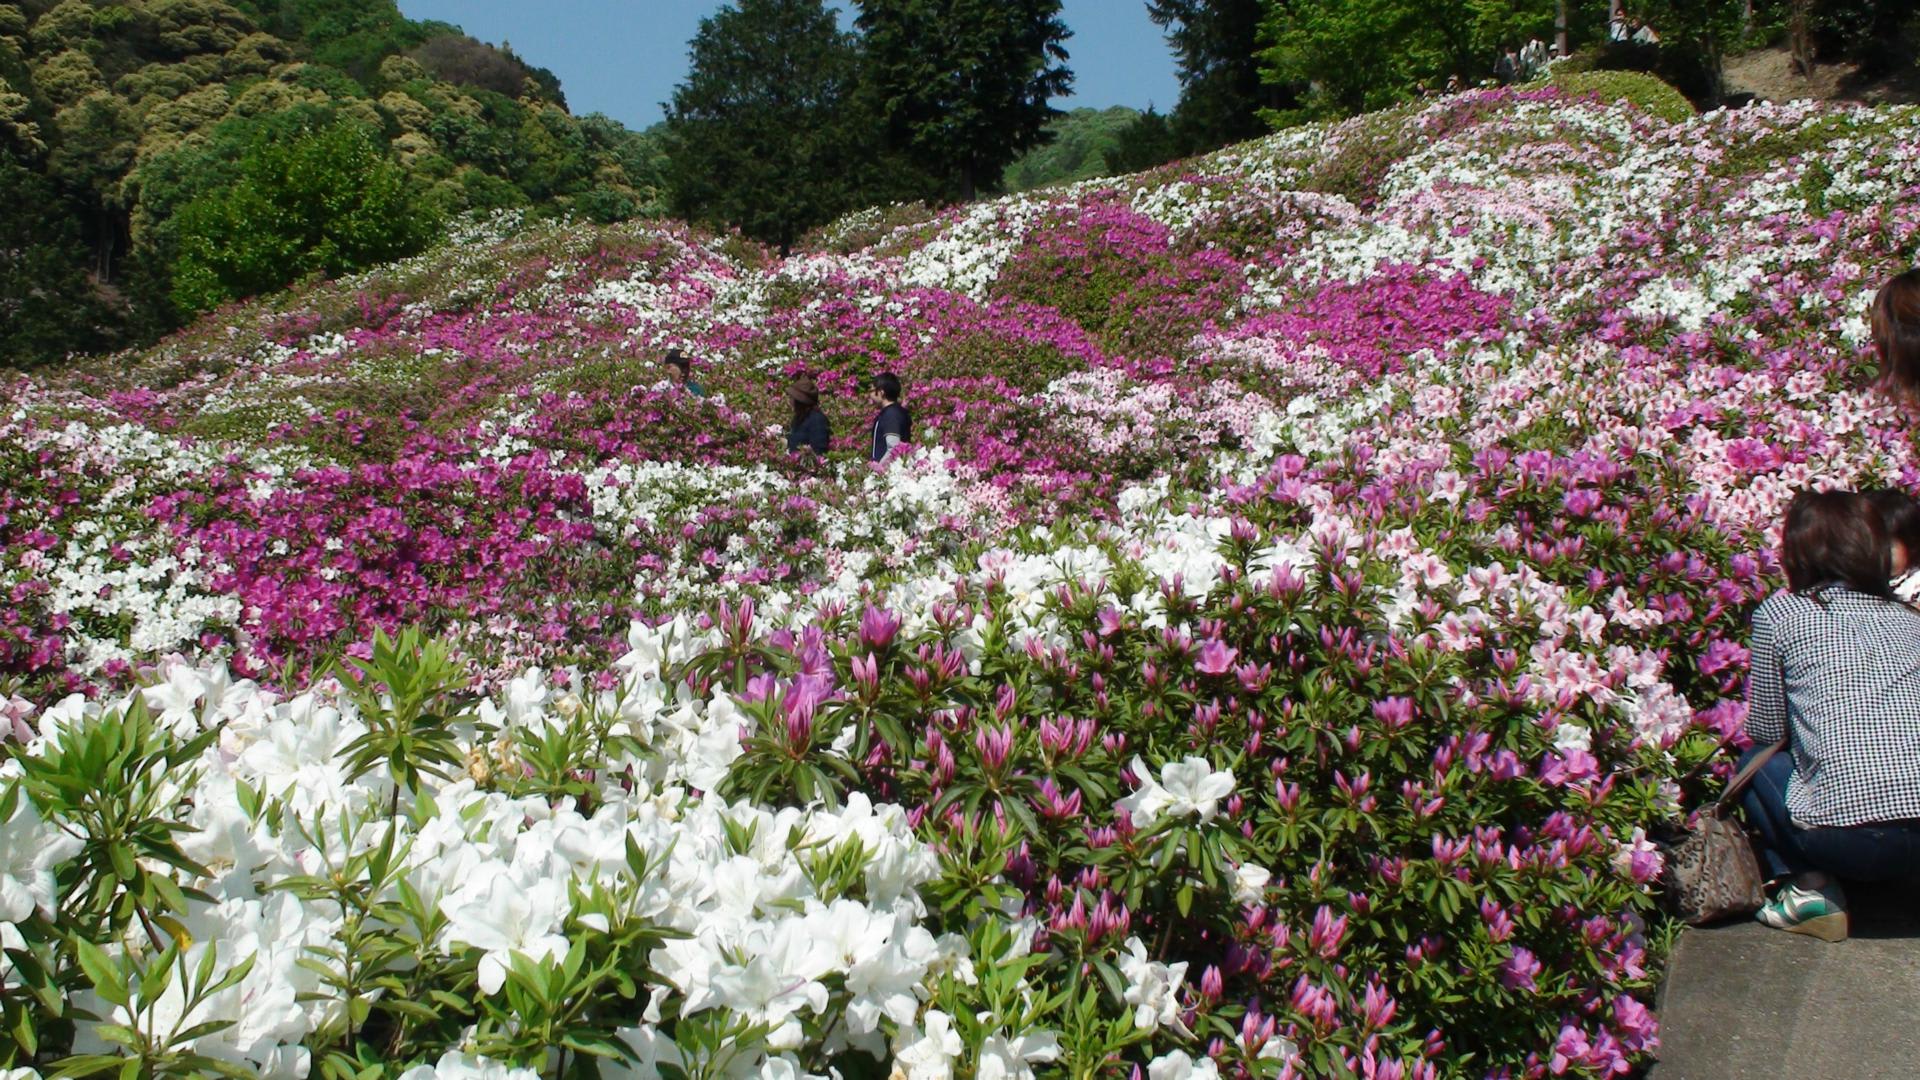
x=117, y=575
x=968, y=255
x=739, y=885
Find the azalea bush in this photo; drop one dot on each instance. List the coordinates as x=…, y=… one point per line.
x=1320, y=570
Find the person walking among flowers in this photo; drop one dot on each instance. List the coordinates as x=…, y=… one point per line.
x=893, y=426
x=680, y=371
x=810, y=428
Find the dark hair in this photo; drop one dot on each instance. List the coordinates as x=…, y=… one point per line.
x=1895, y=321
x=676, y=358
x=888, y=384
x=1899, y=517
x=1836, y=538
x=804, y=395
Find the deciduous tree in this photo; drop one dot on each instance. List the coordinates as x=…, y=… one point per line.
x=328, y=201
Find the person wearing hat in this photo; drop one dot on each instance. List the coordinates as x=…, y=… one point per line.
x=679, y=371
x=894, y=424
x=810, y=427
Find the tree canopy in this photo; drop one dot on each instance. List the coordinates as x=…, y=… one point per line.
x=1216, y=51
x=759, y=134
x=964, y=85
x=1079, y=146
x=327, y=201
x=127, y=111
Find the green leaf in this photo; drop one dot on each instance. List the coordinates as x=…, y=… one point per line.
x=102, y=972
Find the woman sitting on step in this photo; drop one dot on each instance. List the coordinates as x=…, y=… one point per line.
x=1836, y=674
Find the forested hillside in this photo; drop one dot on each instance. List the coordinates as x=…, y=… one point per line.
x=1081, y=146
x=161, y=157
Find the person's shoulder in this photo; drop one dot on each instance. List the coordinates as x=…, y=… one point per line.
x=1785, y=606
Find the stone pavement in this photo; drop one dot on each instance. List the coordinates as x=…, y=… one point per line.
x=1744, y=1001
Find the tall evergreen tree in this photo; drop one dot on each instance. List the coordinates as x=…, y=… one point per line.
x=759, y=135
x=1217, y=50
x=963, y=85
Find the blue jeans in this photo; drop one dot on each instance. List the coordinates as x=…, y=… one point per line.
x=1881, y=852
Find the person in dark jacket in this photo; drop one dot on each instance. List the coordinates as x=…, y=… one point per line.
x=1507, y=68
x=810, y=427
x=894, y=425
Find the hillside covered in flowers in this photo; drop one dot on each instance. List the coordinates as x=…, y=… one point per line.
x=1318, y=566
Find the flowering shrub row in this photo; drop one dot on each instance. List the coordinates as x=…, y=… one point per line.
x=1321, y=563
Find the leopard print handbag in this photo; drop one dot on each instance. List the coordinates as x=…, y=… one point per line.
x=1712, y=874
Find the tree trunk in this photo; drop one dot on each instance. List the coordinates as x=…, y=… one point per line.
x=1560, y=26
x=1800, y=36
x=966, y=182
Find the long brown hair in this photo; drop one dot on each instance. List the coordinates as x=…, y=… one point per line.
x=1895, y=320
x=1836, y=538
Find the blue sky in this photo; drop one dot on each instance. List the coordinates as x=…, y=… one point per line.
x=623, y=57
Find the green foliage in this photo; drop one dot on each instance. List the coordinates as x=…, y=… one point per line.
x=964, y=131
x=132, y=109
x=98, y=136
x=1695, y=38
x=1643, y=92
x=352, y=35
x=1143, y=144
x=155, y=1041
x=462, y=61
x=327, y=202
x=1352, y=56
x=1217, y=50
x=48, y=305
x=410, y=693
x=1080, y=145
x=373, y=970
x=66, y=77
x=758, y=134
x=116, y=779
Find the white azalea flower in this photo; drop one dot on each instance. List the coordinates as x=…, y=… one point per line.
x=653, y=1049
x=501, y=916
x=1189, y=786
x=1153, y=988
x=927, y=1054
x=176, y=701
x=765, y=990
x=454, y=1065
x=1250, y=883
x=1013, y=1059
x=1179, y=1065
x=30, y=848
x=298, y=756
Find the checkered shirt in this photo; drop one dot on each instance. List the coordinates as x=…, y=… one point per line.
x=1842, y=670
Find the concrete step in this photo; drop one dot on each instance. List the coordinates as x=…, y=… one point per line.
x=1742, y=1000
